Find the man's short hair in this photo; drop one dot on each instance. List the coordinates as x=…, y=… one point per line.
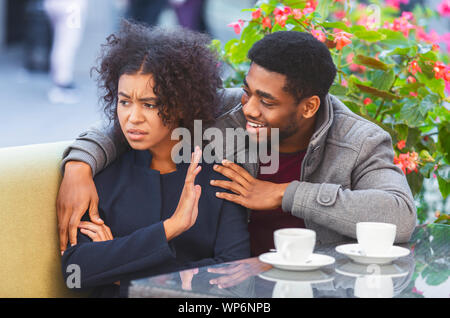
x=305, y=61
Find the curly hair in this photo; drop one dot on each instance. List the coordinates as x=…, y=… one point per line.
x=305, y=61
x=185, y=72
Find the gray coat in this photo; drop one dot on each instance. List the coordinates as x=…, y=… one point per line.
x=347, y=175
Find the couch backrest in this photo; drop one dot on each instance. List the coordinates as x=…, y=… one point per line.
x=29, y=246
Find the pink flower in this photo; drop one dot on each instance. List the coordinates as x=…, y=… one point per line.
x=281, y=20
x=287, y=11
x=407, y=15
x=414, y=290
x=396, y=3
x=367, y=101
x=298, y=14
x=402, y=24
x=411, y=79
x=256, y=14
x=319, y=35
x=414, y=67
x=401, y=144
x=237, y=26
x=267, y=23
x=340, y=14
x=413, y=94
x=444, y=8
x=311, y=4
x=278, y=11
x=439, y=70
x=308, y=11
x=408, y=162
x=342, y=39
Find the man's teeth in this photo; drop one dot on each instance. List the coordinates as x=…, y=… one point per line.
x=255, y=125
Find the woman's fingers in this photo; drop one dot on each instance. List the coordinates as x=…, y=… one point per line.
x=92, y=235
x=194, y=167
x=103, y=232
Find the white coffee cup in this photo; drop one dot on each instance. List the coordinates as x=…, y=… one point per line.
x=295, y=244
x=375, y=238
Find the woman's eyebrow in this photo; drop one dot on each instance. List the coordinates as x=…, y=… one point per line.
x=145, y=99
x=148, y=99
x=124, y=95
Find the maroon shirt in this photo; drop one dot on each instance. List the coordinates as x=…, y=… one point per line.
x=264, y=223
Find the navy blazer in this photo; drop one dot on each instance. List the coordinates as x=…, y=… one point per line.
x=134, y=200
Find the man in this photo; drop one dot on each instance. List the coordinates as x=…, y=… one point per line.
x=335, y=168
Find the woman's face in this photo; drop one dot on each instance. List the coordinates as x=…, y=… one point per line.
x=138, y=114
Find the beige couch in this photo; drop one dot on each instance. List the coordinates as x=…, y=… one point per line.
x=29, y=248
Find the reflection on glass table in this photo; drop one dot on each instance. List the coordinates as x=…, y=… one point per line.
x=424, y=272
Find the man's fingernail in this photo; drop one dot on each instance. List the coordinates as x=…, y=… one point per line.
x=62, y=253
x=212, y=182
x=72, y=245
x=225, y=161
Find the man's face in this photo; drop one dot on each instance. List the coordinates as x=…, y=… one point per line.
x=267, y=105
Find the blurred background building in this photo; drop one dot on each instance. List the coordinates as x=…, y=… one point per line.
x=48, y=47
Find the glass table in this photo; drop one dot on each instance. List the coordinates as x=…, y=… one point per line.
x=423, y=273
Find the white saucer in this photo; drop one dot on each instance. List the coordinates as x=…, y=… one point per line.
x=349, y=268
x=355, y=252
x=313, y=277
x=314, y=262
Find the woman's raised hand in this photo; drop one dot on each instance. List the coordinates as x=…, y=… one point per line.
x=187, y=210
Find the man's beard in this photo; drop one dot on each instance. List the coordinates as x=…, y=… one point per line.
x=289, y=130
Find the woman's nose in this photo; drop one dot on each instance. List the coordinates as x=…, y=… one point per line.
x=136, y=115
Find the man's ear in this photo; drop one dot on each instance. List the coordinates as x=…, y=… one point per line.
x=310, y=106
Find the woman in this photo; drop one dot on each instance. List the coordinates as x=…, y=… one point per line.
x=157, y=219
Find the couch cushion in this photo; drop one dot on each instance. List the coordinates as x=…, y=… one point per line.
x=30, y=264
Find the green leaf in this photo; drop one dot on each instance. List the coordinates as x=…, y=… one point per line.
x=336, y=25
x=409, y=114
x=427, y=169
x=383, y=80
x=371, y=36
x=415, y=181
x=403, y=51
x=435, y=85
x=267, y=8
x=376, y=92
x=444, y=187
x=338, y=89
x=444, y=140
x=402, y=131
x=394, y=38
x=371, y=62
x=427, y=104
x=322, y=9
x=444, y=173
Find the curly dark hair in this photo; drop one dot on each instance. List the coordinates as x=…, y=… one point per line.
x=305, y=61
x=185, y=72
